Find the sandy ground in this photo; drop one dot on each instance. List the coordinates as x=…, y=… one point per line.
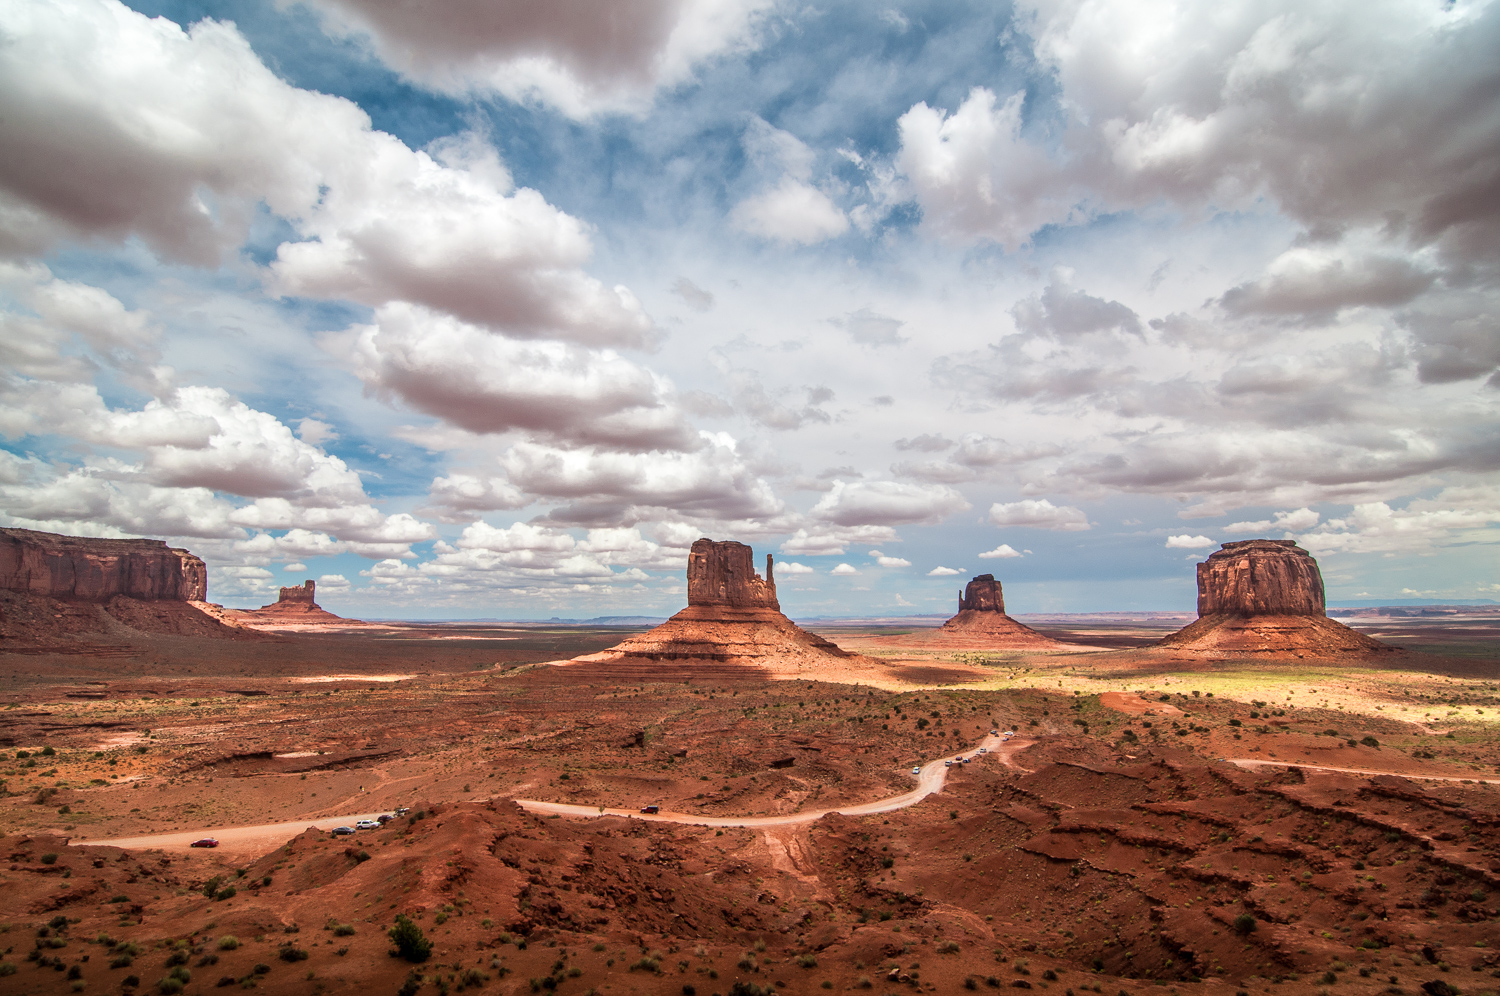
x=1357, y=825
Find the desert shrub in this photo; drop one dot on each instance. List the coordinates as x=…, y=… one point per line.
x=212, y=886
x=807, y=961
x=7, y=968
x=1369, y=741
x=948, y=947
x=410, y=943
x=742, y=988
x=647, y=964
x=412, y=984
x=1244, y=924
x=290, y=952
x=228, y=942
x=49, y=859
x=225, y=893
x=343, y=930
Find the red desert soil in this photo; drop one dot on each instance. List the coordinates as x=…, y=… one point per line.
x=1116, y=852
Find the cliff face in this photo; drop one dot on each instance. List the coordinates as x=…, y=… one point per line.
x=723, y=573
x=97, y=570
x=982, y=594
x=1260, y=577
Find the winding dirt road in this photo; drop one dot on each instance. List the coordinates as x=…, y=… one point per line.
x=930, y=780
x=265, y=836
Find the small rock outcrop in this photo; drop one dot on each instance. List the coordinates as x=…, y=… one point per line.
x=1265, y=596
x=732, y=618
x=54, y=586
x=96, y=570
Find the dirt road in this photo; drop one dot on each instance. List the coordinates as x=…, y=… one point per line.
x=235, y=840
x=263, y=837
x=929, y=781
x=1254, y=763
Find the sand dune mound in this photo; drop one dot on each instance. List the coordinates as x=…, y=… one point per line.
x=732, y=617
x=1266, y=596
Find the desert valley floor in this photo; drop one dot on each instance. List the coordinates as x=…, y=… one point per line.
x=1159, y=822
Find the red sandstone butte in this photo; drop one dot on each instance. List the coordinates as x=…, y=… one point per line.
x=54, y=585
x=296, y=606
x=981, y=617
x=732, y=617
x=1265, y=596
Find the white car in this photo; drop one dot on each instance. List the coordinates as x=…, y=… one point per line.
x=1008, y=733
x=916, y=771
x=947, y=764
x=367, y=825
x=984, y=750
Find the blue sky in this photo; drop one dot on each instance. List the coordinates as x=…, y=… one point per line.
x=492, y=311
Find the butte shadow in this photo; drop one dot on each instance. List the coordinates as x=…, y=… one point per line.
x=1264, y=598
x=733, y=624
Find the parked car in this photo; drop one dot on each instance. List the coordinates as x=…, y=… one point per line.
x=204, y=842
x=342, y=831
x=994, y=733
x=916, y=770
x=384, y=818
x=966, y=760
x=947, y=764
x=984, y=750
x=367, y=825
x=403, y=810
x=651, y=810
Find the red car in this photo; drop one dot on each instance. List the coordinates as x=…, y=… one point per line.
x=204, y=842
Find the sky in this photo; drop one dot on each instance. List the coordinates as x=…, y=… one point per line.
x=483, y=308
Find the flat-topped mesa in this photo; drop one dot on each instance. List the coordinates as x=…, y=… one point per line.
x=1265, y=596
x=723, y=573
x=982, y=594
x=97, y=570
x=1260, y=577
x=55, y=587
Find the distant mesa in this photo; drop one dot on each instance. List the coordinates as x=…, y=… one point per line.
x=1265, y=596
x=732, y=617
x=982, y=622
x=55, y=585
x=296, y=606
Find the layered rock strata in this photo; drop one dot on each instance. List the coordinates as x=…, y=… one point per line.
x=1265, y=596
x=55, y=586
x=96, y=570
x=732, y=616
